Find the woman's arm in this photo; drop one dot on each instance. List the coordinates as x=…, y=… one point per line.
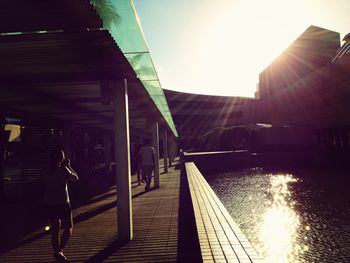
x=72, y=175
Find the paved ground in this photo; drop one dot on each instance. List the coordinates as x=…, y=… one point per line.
x=94, y=239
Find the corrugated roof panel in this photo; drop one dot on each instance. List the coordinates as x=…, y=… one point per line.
x=37, y=15
x=127, y=32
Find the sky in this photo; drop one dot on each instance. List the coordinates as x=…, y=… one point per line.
x=219, y=47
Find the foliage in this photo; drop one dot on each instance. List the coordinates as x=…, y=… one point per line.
x=106, y=11
x=229, y=138
x=138, y=64
x=109, y=14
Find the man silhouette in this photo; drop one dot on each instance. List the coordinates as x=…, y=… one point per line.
x=147, y=160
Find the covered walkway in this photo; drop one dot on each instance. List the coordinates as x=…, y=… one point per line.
x=94, y=239
x=66, y=81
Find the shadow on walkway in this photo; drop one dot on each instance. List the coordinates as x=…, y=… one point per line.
x=77, y=219
x=187, y=237
x=188, y=248
x=13, y=244
x=178, y=166
x=95, y=200
x=106, y=252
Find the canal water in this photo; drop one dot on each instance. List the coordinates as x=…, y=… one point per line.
x=289, y=217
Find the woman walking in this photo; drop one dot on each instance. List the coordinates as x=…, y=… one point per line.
x=57, y=202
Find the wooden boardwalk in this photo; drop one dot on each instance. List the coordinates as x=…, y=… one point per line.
x=94, y=239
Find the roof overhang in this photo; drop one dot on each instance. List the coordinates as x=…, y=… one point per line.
x=57, y=77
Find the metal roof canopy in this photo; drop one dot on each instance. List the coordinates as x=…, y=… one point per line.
x=55, y=72
x=37, y=15
x=127, y=32
x=58, y=76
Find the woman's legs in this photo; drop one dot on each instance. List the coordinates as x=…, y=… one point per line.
x=55, y=232
x=64, y=218
x=138, y=172
x=67, y=224
x=147, y=175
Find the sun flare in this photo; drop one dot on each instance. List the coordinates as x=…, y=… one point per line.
x=220, y=47
x=245, y=37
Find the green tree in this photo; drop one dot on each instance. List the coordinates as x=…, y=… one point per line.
x=109, y=15
x=138, y=63
x=229, y=138
x=107, y=11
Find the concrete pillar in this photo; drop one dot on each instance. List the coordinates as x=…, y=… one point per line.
x=155, y=143
x=122, y=159
x=172, y=148
x=165, y=150
x=107, y=143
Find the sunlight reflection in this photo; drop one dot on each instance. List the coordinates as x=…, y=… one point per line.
x=280, y=223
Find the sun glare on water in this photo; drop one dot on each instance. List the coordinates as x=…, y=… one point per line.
x=280, y=224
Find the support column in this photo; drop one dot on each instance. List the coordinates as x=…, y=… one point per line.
x=107, y=143
x=155, y=143
x=165, y=150
x=122, y=159
x=173, y=147
x=171, y=151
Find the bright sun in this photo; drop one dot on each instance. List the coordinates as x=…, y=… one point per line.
x=243, y=38
x=220, y=47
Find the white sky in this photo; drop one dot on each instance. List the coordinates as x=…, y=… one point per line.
x=219, y=47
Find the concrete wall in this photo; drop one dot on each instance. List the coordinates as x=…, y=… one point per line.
x=286, y=136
